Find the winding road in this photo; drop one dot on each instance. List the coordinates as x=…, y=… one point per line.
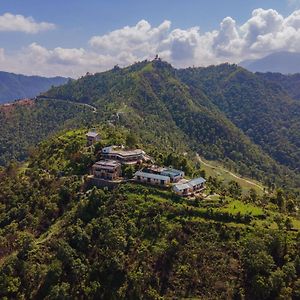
x=232, y=174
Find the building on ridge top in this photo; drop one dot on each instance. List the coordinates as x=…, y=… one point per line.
x=125, y=156
x=175, y=175
x=92, y=137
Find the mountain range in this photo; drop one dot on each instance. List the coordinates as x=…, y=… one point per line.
x=63, y=238
x=279, y=62
x=226, y=113
x=16, y=86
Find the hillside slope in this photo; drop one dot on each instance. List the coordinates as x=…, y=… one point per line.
x=290, y=83
x=61, y=241
x=262, y=109
x=153, y=94
x=16, y=86
x=224, y=113
x=23, y=125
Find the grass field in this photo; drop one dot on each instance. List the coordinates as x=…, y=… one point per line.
x=213, y=168
x=235, y=206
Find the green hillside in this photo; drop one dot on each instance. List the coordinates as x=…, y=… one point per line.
x=16, y=86
x=262, y=109
x=151, y=97
x=224, y=113
x=60, y=240
x=23, y=126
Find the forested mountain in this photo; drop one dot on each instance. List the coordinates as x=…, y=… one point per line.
x=224, y=113
x=62, y=240
x=16, y=86
x=23, y=125
x=290, y=83
x=262, y=109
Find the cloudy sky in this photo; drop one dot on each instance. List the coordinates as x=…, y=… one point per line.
x=72, y=37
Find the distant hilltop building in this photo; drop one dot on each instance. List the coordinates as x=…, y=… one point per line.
x=92, y=137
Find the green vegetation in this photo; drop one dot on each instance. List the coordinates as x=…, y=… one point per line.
x=15, y=86
x=224, y=113
x=258, y=105
x=23, y=126
x=215, y=169
x=60, y=240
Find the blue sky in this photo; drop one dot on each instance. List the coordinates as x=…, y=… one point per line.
x=70, y=26
x=77, y=21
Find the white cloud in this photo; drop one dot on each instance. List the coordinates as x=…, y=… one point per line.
x=265, y=32
x=140, y=40
x=10, y=22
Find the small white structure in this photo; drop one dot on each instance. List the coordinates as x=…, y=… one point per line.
x=151, y=178
x=92, y=137
x=190, y=188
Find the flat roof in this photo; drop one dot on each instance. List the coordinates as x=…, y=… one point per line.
x=182, y=186
x=107, y=163
x=171, y=171
x=92, y=134
x=151, y=175
x=197, y=181
x=112, y=150
x=189, y=184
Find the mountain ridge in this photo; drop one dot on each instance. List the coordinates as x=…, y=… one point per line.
x=18, y=86
x=214, y=111
x=279, y=62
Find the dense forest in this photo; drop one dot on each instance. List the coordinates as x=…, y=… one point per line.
x=16, y=86
x=23, y=126
x=61, y=239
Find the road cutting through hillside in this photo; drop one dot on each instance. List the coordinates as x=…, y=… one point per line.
x=230, y=173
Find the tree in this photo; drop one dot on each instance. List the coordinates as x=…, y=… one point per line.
x=280, y=200
x=131, y=140
x=234, y=189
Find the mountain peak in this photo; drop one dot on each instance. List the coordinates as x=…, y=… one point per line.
x=279, y=62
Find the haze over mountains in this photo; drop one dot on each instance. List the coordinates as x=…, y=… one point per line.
x=16, y=86
x=278, y=62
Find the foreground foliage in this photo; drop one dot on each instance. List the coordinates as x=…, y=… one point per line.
x=60, y=240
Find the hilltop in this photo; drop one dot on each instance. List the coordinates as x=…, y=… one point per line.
x=224, y=113
x=138, y=241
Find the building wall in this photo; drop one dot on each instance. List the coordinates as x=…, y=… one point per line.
x=151, y=181
x=190, y=191
x=124, y=159
x=106, y=174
